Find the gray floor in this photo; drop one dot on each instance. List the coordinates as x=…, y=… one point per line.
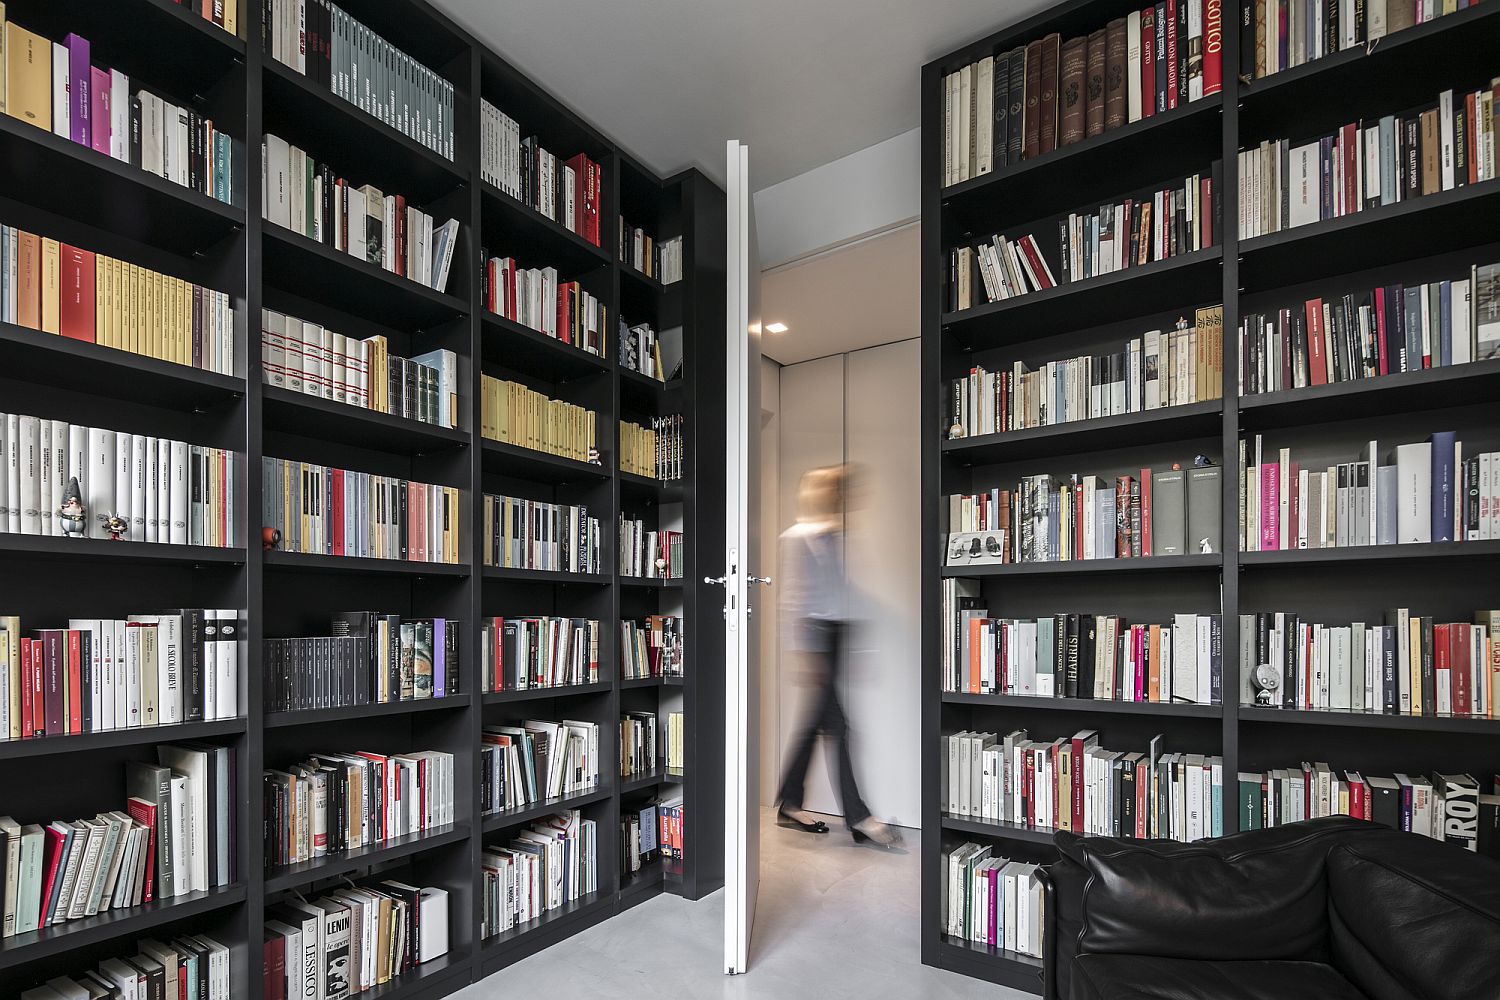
x=834, y=920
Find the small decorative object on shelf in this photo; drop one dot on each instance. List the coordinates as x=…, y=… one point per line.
x=117, y=526
x=1267, y=680
x=270, y=538
x=72, y=516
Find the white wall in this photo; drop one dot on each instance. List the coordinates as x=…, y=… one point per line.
x=859, y=407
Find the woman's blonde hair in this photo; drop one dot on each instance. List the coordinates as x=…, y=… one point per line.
x=821, y=494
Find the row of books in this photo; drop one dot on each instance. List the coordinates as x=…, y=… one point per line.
x=640, y=751
x=545, y=651
x=102, y=674
x=1276, y=36
x=338, y=512
x=643, y=835
x=143, y=488
x=193, y=965
x=1158, y=369
x=308, y=198
x=651, y=554
x=1384, y=331
x=640, y=350
x=1166, y=223
x=676, y=747
x=336, y=802
x=655, y=452
x=1365, y=164
x=569, y=192
x=1044, y=519
x=1079, y=655
x=1075, y=784
x=357, y=937
x=321, y=41
x=651, y=647
x=535, y=298
x=534, y=534
x=1447, y=807
x=638, y=251
x=368, y=658
x=81, y=295
x=309, y=358
x=55, y=86
x=1024, y=103
x=1430, y=491
x=669, y=260
x=547, y=865
x=1405, y=664
x=516, y=414
x=539, y=759
x=992, y=900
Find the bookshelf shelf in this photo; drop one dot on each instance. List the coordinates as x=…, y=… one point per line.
x=642, y=394
x=507, y=818
x=124, y=552
x=1149, y=564
x=535, y=239
x=329, y=420
x=515, y=346
x=638, y=886
x=999, y=829
x=646, y=779
x=52, y=746
x=1173, y=423
x=295, y=876
x=577, y=911
x=1360, y=556
x=539, y=576
x=357, y=565
x=641, y=279
x=1009, y=968
x=538, y=694
x=1090, y=705
x=128, y=922
x=344, y=713
x=448, y=970
x=32, y=356
x=643, y=583
x=641, y=682
x=512, y=460
x=1428, y=389
x=1457, y=724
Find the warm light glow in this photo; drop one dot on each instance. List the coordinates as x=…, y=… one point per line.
x=776, y=328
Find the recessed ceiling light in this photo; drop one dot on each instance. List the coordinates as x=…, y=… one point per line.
x=776, y=328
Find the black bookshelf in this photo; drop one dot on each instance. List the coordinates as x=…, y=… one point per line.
x=1423, y=239
x=54, y=187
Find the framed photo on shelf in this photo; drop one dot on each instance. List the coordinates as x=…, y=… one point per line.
x=976, y=548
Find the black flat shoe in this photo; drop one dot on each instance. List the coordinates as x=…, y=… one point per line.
x=873, y=831
x=816, y=826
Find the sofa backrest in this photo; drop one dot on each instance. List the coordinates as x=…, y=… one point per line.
x=1414, y=919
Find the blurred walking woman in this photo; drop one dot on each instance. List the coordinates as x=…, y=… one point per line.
x=816, y=609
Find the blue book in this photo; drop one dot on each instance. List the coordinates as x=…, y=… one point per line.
x=1445, y=326
x=1444, y=446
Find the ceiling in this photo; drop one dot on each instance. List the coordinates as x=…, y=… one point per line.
x=801, y=81
x=844, y=300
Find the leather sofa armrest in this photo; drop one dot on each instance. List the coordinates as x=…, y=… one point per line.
x=1049, y=934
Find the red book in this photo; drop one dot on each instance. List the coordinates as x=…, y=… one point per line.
x=1171, y=54
x=1213, y=47
x=1458, y=656
x=54, y=706
x=1034, y=255
x=1148, y=62
x=1470, y=139
x=38, y=687
x=26, y=731
x=223, y=512
x=75, y=681
x=1380, y=330
x=1082, y=741
x=144, y=813
x=1442, y=667
x=1145, y=512
x=76, y=294
x=401, y=235
x=1351, y=150
x=1317, y=364
x=1028, y=789
x=1205, y=209
x=52, y=864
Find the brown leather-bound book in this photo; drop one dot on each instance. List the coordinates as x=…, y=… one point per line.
x=1033, y=122
x=1093, y=90
x=1432, y=177
x=1017, y=121
x=1047, y=113
x=1070, y=93
x=1115, y=66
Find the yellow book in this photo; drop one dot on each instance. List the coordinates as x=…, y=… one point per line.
x=154, y=314
x=173, y=331
x=51, y=276
x=101, y=300
x=28, y=76
x=137, y=309
x=1415, y=664
x=184, y=296
x=232, y=17
x=2, y=65
x=117, y=302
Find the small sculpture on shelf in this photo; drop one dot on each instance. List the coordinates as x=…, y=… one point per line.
x=1266, y=679
x=72, y=515
x=661, y=568
x=957, y=432
x=594, y=458
x=270, y=538
x=116, y=526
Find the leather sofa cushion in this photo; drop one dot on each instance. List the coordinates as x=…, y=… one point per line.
x=1414, y=919
x=1138, y=977
x=1260, y=895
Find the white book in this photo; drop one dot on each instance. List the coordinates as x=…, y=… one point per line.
x=119, y=115
x=134, y=671
x=169, y=678
x=139, y=472
x=7, y=466
x=30, y=475
x=163, y=490
x=151, y=456
x=124, y=467
x=59, y=472
x=1133, y=63
x=120, y=689
x=44, y=471
x=12, y=832
x=1463, y=335
x=184, y=850
x=62, y=98
x=1445, y=126
x=100, y=486
x=447, y=239
x=984, y=115
x=1414, y=493
x=226, y=661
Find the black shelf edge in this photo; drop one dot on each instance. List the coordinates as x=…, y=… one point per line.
x=132, y=921
x=498, y=944
x=539, y=235
x=1458, y=724
x=54, y=546
x=1429, y=388
x=999, y=829
x=1146, y=564
x=524, y=814
x=647, y=583
x=642, y=279
x=1099, y=705
x=305, y=873
x=455, y=965
x=50, y=746
x=669, y=491
x=544, y=576
x=311, y=562
x=640, y=886
x=199, y=24
x=532, y=351
x=502, y=458
x=540, y=693
x=1013, y=959
x=1363, y=554
x=642, y=682
x=674, y=776
x=49, y=359
x=649, y=779
x=320, y=716
x=1126, y=429
x=329, y=420
x=294, y=263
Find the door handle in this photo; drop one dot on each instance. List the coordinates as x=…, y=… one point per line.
x=716, y=580
x=764, y=581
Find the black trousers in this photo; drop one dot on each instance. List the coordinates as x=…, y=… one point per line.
x=825, y=716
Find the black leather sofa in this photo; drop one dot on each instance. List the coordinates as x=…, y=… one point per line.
x=1329, y=909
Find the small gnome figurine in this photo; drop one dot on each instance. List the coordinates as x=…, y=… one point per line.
x=270, y=538
x=116, y=526
x=72, y=515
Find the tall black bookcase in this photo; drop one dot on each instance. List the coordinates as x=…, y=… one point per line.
x=1424, y=239
x=51, y=186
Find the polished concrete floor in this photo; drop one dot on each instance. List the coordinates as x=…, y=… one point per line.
x=834, y=920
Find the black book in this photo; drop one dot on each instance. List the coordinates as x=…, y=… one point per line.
x=359, y=627
x=194, y=688
x=135, y=130
x=1182, y=54
x=1388, y=671
x=86, y=658
x=1411, y=130
x=1016, y=134
x=1289, y=664
x=1088, y=641
x=1071, y=654
x=1429, y=688
x=1247, y=39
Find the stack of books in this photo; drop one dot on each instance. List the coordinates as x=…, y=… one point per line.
x=649, y=554
x=546, y=651
x=1276, y=37
x=516, y=414
x=537, y=760
x=651, y=648
x=338, y=512
x=367, y=659
x=195, y=965
x=547, y=865
x=537, y=299
x=992, y=900
x=534, y=534
x=566, y=191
